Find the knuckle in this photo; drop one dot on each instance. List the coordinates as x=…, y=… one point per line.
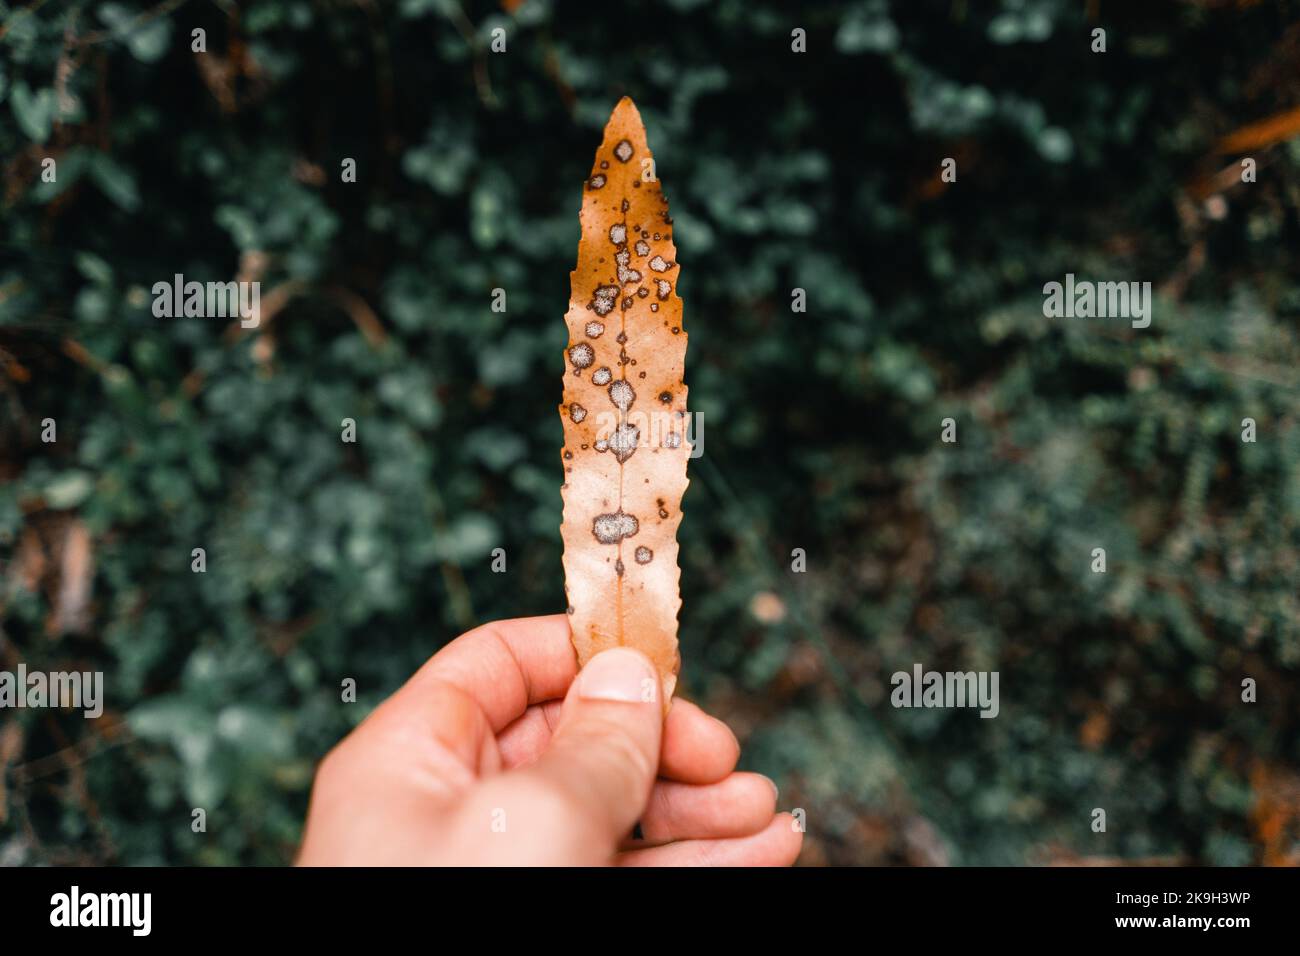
x=333, y=767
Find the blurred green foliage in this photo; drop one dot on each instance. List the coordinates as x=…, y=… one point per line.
x=328, y=561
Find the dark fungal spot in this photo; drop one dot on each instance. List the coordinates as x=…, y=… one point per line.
x=582, y=355
x=675, y=330
x=625, y=274
x=604, y=164
x=660, y=264
x=642, y=247
x=663, y=512
x=666, y=397
x=623, y=441
x=644, y=555
x=613, y=527
x=625, y=206
x=568, y=456
x=601, y=376
x=663, y=288
x=642, y=292
x=618, y=567
x=623, y=151
x=603, y=299
x=622, y=395
x=622, y=338
x=636, y=184
x=595, y=329
x=654, y=306
x=596, y=182
x=569, y=609
x=642, y=375
x=576, y=414
x=627, y=303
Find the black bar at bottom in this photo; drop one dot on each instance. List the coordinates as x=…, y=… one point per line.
x=232, y=905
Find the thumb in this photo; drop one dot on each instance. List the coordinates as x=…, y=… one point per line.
x=605, y=752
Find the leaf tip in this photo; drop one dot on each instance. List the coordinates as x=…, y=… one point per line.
x=625, y=112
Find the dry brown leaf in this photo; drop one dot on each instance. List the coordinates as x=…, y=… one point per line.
x=1275, y=814
x=624, y=410
x=76, y=575
x=11, y=748
x=56, y=556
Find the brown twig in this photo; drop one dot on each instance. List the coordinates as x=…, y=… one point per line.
x=482, y=82
x=1262, y=133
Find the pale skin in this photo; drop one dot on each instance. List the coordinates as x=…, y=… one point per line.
x=496, y=752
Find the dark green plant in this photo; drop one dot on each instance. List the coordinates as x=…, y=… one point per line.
x=328, y=560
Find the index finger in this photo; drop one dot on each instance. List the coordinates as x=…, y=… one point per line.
x=506, y=666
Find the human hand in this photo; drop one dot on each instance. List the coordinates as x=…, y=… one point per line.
x=492, y=753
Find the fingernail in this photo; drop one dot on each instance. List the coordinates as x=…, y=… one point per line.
x=776, y=793
x=618, y=674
